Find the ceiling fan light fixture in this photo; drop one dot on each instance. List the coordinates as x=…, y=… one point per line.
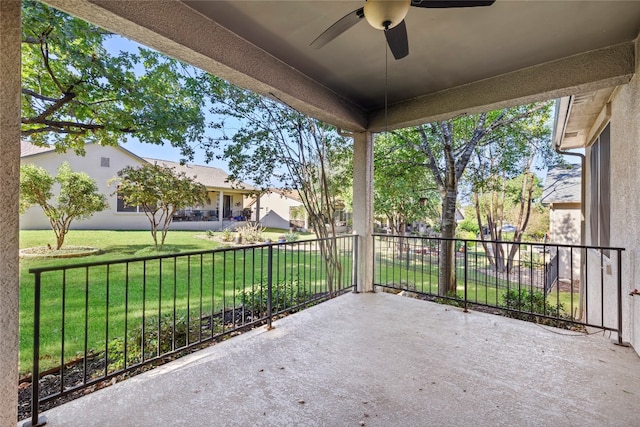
x=386, y=14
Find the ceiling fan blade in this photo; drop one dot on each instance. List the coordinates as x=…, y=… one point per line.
x=397, y=40
x=451, y=3
x=342, y=25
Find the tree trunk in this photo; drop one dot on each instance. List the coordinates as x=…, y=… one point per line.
x=447, y=271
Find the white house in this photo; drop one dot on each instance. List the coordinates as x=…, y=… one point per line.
x=278, y=209
x=562, y=194
x=102, y=163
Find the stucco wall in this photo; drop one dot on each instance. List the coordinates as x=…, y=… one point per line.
x=277, y=203
x=625, y=197
x=564, y=226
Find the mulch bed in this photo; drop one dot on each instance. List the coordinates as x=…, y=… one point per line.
x=74, y=371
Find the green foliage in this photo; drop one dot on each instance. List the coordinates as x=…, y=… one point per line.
x=251, y=232
x=166, y=333
x=160, y=191
x=404, y=190
x=292, y=236
x=270, y=144
x=285, y=295
x=227, y=235
x=75, y=92
x=529, y=302
x=469, y=225
x=78, y=197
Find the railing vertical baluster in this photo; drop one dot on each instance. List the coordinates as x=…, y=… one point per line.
x=62, y=329
x=213, y=291
x=106, y=329
x=201, y=289
x=144, y=309
x=126, y=315
x=354, y=261
x=188, y=335
x=269, y=285
x=86, y=326
x=35, y=371
x=175, y=299
x=224, y=291
x=619, y=255
x=601, y=288
x=466, y=268
x=159, y=347
x=233, y=292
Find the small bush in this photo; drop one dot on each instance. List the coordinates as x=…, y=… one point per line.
x=227, y=235
x=285, y=296
x=531, y=303
x=251, y=233
x=159, y=332
x=292, y=236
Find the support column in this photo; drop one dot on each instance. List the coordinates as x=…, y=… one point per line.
x=9, y=190
x=221, y=208
x=363, y=207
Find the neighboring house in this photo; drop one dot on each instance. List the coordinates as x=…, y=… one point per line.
x=102, y=163
x=562, y=194
x=278, y=209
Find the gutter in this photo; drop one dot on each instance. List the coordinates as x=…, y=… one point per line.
x=557, y=139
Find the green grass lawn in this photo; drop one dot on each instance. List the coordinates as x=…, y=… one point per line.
x=99, y=301
x=420, y=273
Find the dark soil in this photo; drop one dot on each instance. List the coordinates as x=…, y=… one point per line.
x=74, y=372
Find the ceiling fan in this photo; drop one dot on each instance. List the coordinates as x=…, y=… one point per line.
x=388, y=15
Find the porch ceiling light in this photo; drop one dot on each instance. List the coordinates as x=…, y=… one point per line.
x=385, y=14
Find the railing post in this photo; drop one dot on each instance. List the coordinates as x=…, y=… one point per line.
x=466, y=268
x=269, y=285
x=354, y=263
x=619, y=255
x=35, y=371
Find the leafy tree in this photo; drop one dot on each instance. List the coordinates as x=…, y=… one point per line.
x=449, y=146
x=504, y=183
x=160, y=192
x=404, y=191
x=273, y=145
x=75, y=92
x=78, y=197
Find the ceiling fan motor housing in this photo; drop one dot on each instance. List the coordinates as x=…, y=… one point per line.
x=385, y=14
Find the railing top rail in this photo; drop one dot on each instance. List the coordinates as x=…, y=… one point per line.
x=35, y=270
x=549, y=245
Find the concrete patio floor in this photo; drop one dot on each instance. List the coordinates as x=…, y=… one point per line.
x=381, y=360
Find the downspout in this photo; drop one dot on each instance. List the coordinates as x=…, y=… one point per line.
x=583, y=253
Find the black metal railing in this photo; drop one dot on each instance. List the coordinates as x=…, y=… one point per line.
x=561, y=285
x=95, y=321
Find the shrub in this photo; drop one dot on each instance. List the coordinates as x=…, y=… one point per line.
x=292, y=236
x=227, y=235
x=251, y=233
x=159, y=331
x=531, y=303
x=285, y=296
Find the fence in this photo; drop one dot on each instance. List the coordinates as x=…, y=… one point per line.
x=560, y=285
x=95, y=321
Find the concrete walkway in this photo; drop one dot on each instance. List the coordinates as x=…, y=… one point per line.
x=381, y=360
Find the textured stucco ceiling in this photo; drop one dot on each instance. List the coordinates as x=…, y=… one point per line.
x=460, y=60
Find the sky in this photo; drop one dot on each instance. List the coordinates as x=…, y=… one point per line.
x=114, y=45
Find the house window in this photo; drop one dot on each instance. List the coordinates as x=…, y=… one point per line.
x=600, y=206
x=122, y=207
x=104, y=162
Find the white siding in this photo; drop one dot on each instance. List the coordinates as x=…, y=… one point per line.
x=91, y=163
